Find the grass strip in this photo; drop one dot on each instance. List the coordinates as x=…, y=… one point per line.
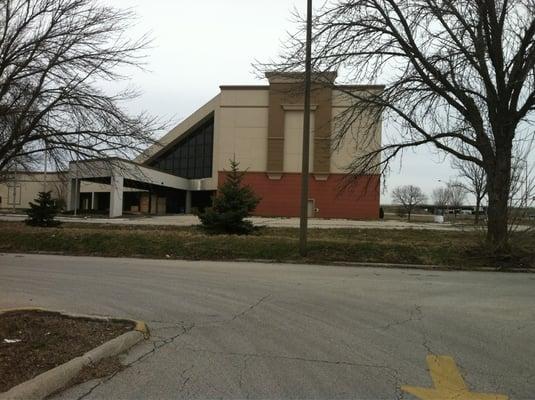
x=464, y=250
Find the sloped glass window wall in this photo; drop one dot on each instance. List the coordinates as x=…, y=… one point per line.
x=190, y=158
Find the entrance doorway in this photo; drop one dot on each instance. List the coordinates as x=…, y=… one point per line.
x=311, y=208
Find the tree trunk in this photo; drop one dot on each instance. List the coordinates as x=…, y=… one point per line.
x=498, y=185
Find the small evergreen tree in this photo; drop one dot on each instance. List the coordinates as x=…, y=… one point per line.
x=231, y=206
x=43, y=211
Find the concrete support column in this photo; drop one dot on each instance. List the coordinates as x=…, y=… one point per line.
x=93, y=201
x=153, y=203
x=188, y=202
x=116, y=196
x=73, y=195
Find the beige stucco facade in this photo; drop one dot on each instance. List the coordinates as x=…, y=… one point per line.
x=19, y=189
x=241, y=128
x=360, y=136
x=242, y=131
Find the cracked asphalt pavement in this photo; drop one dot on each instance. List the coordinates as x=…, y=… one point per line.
x=249, y=330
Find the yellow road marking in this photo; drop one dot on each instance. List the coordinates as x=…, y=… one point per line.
x=448, y=382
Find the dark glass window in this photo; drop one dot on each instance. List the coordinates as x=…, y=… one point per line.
x=190, y=158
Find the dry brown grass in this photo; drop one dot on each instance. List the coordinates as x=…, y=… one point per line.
x=410, y=246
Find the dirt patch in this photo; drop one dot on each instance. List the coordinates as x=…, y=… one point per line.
x=32, y=342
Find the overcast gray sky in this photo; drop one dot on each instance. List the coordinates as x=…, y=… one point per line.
x=199, y=45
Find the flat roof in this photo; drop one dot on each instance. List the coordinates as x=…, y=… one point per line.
x=243, y=87
x=266, y=87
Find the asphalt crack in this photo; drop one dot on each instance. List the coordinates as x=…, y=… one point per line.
x=415, y=315
x=393, y=373
x=250, y=308
x=156, y=345
x=238, y=315
x=163, y=341
x=294, y=358
x=166, y=325
x=185, y=379
x=242, y=371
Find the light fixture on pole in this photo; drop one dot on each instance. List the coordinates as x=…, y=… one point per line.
x=303, y=222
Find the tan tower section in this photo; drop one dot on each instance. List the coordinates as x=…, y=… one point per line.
x=286, y=94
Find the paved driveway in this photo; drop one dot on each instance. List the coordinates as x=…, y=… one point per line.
x=188, y=220
x=244, y=330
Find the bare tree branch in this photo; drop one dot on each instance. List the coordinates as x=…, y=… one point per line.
x=409, y=197
x=54, y=57
x=458, y=75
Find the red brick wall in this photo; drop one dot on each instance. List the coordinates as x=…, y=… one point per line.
x=281, y=197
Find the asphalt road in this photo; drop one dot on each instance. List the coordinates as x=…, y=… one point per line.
x=244, y=330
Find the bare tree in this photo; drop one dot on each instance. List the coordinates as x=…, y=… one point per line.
x=474, y=180
x=459, y=75
x=54, y=57
x=408, y=197
x=441, y=198
x=522, y=196
x=457, y=194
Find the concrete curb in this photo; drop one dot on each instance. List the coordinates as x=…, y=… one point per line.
x=425, y=267
x=431, y=267
x=55, y=379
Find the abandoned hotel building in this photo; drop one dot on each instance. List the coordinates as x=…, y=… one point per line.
x=260, y=127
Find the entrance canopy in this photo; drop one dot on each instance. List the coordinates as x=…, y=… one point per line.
x=119, y=173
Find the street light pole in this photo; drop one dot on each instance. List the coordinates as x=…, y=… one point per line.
x=46, y=167
x=303, y=223
x=76, y=182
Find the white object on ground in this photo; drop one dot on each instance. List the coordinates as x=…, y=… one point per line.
x=12, y=340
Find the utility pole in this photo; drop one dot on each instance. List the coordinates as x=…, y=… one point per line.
x=303, y=223
x=45, y=170
x=526, y=190
x=15, y=188
x=76, y=191
x=46, y=156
